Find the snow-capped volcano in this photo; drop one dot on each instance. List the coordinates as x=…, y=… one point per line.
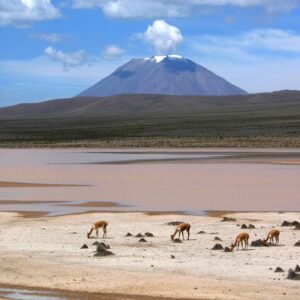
x=167, y=75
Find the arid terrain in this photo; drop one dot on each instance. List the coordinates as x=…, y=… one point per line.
x=46, y=253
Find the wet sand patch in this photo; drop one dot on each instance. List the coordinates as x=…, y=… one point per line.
x=163, y=213
x=94, y=204
x=12, y=184
x=32, y=214
x=22, y=202
x=205, y=157
x=223, y=213
x=218, y=214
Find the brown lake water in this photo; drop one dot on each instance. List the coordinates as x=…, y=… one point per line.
x=63, y=181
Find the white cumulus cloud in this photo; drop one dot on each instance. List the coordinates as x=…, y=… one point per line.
x=177, y=8
x=22, y=12
x=163, y=37
x=68, y=60
x=112, y=52
x=248, y=46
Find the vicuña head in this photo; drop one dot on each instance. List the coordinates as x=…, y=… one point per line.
x=232, y=247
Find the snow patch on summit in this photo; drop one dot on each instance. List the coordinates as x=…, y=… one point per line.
x=160, y=58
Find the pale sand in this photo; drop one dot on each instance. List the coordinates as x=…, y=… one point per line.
x=45, y=252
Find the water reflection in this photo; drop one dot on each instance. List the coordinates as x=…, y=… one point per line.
x=23, y=294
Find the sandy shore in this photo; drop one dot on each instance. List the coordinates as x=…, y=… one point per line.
x=45, y=253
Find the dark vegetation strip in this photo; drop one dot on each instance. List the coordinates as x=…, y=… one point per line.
x=265, y=120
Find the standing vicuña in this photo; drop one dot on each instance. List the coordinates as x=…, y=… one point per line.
x=96, y=226
x=273, y=234
x=242, y=239
x=180, y=229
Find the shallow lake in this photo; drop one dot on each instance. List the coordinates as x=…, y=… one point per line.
x=60, y=181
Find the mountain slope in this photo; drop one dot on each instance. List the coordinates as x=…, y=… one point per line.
x=166, y=75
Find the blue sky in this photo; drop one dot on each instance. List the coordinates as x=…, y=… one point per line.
x=52, y=49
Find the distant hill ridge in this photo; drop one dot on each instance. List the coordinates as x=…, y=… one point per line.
x=128, y=105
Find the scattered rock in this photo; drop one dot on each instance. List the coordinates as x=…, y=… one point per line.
x=128, y=234
x=175, y=223
x=201, y=232
x=104, y=245
x=251, y=226
x=172, y=256
x=177, y=241
x=297, y=244
x=294, y=223
x=279, y=270
x=142, y=240
x=217, y=238
x=297, y=227
x=227, y=249
x=217, y=247
x=259, y=243
x=293, y=275
x=139, y=235
x=84, y=246
x=95, y=243
x=244, y=226
x=227, y=219
x=297, y=269
x=149, y=234
x=102, y=250
x=286, y=223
